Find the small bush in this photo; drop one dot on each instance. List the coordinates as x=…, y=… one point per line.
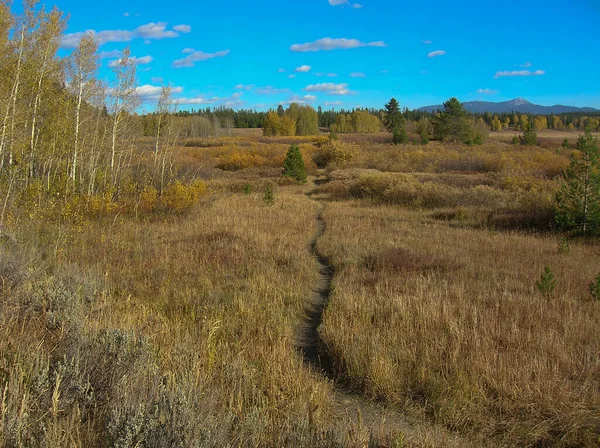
x=595, y=288
x=269, y=197
x=399, y=135
x=293, y=166
x=179, y=197
x=336, y=153
x=240, y=159
x=563, y=245
x=546, y=284
x=148, y=199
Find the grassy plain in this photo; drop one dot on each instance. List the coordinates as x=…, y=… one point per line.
x=164, y=329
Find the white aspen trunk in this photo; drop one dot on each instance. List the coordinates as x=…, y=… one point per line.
x=12, y=103
x=77, y=125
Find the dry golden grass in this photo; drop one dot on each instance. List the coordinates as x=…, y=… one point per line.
x=447, y=322
x=173, y=329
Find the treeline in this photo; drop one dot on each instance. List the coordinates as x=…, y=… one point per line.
x=366, y=120
x=570, y=121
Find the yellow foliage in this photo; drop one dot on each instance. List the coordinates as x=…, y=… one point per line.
x=338, y=153
x=148, y=199
x=179, y=197
x=240, y=159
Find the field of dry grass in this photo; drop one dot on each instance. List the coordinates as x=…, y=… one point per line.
x=446, y=321
x=181, y=329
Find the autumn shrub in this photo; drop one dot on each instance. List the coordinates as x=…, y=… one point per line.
x=240, y=159
x=148, y=201
x=179, y=197
x=336, y=153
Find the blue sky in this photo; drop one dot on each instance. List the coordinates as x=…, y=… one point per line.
x=337, y=53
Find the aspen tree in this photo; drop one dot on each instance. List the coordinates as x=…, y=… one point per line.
x=43, y=45
x=124, y=99
x=83, y=68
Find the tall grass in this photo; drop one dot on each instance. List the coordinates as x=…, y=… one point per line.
x=447, y=322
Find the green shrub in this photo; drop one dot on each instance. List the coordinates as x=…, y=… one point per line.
x=546, y=284
x=595, y=288
x=269, y=196
x=293, y=166
x=399, y=135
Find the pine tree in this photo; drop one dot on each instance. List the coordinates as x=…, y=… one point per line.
x=399, y=136
x=393, y=117
x=529, y=135
x=595, y=288
x=452, y=124
x=546, y=284
x=578, y=199
x=294, y=165
x=269, y=197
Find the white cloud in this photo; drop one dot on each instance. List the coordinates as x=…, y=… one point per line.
x=187, y=50
x=234, y=104
x=331, y=75
x=435, y=53
x=291, y=76
x=303, y=69
x=149, y=93
x=183, y=28
x=269, y=90
x=157, y=79
x=427, y=42
x=196, y=100
x=333, y=103
x=133, y=60
x=109, y=54
x=197, y=56
x=149, y=31
x=526, y=65
x=327, y=44
x=281, y=70
x=244, y=86
x=487, y=91
x=155, y=31
x=299, y=99
x=384, y=71
x=330, y=88
x=126, y=14
x=519, y=73
x=358, y=75
x=344, y=2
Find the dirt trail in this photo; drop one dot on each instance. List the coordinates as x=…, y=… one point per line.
x=350, y=406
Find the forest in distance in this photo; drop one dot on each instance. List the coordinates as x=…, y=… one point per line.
x=293, y=277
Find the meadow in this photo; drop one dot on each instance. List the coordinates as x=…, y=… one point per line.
x=177, y=322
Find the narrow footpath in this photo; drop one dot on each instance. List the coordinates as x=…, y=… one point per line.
x=351, y=406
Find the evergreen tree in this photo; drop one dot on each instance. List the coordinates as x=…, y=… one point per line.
x=529, y=135
x=393, y=117
x=578, y=199
x=294, y=165
x=269, y=196
x=452, y=123
x=399, y=136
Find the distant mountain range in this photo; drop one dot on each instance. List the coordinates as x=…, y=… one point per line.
x=517, y=105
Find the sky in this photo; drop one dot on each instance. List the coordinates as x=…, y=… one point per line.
x=342, y=54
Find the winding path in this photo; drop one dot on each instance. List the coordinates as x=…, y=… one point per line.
x=350, y=405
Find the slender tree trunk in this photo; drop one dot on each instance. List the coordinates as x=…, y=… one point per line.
x=77, y=125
